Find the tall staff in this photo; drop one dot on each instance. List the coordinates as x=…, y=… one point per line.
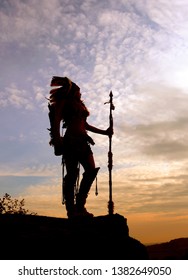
x=110, y=155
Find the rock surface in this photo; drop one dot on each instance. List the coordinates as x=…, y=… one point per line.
x=28, y=237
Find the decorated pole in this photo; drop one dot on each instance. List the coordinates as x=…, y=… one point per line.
x=110, y=156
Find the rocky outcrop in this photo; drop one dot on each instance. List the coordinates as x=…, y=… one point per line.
x=39, y=237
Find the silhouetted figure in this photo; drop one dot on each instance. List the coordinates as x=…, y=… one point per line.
x=66, y=105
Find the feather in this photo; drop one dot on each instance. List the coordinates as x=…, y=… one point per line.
x=58, y=81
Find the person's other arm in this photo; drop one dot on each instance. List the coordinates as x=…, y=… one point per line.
x=94, y=129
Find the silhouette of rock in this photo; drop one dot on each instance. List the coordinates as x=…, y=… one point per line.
x=176, y=249
x=40, y=237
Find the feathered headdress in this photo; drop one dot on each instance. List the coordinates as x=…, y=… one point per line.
x=64, y=86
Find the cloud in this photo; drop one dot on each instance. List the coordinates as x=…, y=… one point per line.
x=155, y=123
x=170, y=17
x=165, y=140
x=141, y=192
x=21, y=22
x=16, y=97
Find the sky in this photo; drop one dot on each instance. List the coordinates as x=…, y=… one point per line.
x=136, y=49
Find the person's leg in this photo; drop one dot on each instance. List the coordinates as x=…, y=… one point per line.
x=71, y=164
x=90, y=173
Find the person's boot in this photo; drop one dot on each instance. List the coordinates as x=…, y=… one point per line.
x=85, y=185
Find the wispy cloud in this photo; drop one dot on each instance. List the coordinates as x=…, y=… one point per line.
x=12, y=96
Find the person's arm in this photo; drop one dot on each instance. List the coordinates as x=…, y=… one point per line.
x=94, y=129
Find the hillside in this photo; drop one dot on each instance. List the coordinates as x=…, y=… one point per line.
x=176, y=249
